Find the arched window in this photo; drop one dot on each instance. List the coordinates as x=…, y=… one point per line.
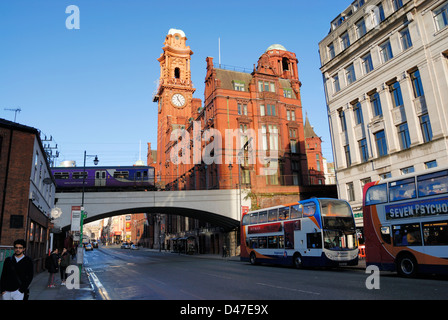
x=177, y=73
x=285, y=64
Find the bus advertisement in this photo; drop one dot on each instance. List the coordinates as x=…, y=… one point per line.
x=406, y=223
x=309, y=233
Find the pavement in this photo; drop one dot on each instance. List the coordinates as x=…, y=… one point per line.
x=86, y=291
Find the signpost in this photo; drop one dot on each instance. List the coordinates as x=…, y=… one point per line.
x=78, y=216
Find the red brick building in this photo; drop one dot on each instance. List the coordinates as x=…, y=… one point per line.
x=26, y=190
x=313, y=145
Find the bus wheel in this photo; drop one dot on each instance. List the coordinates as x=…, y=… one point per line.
x=297, y=261
x=253, y=259
x=407, y=266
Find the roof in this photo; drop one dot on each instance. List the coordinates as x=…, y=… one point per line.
x=276, y=47
x=228, y=77
x=17, y=126
x=309, y=130
x=174, y=31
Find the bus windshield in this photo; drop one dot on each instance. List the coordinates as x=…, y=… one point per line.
x=338, y=225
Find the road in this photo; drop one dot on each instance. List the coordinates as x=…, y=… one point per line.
x=123, y=274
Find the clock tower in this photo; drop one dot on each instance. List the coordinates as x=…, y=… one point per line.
x=174, y=97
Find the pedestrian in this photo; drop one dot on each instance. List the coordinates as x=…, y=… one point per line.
x=52, y=265
x=17, y=274
x=65, y=262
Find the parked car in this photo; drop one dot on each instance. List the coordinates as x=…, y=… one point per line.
x=125, y=245
x=89, y=247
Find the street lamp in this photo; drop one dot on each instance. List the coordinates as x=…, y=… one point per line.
x=83, y=212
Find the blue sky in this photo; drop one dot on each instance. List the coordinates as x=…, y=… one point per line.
x=91, y=89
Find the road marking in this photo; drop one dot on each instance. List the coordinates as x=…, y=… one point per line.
x=99, y=285
x=290, y=289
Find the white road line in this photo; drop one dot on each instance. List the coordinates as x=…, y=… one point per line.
x=99, y=285
x=290, y=289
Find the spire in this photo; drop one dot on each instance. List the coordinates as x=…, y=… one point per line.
x=308, y=128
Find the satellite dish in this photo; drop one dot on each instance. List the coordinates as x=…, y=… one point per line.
x=56, y=212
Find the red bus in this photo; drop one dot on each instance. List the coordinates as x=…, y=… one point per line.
x=406, y=223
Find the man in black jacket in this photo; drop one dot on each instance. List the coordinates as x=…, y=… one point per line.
x=17, y=274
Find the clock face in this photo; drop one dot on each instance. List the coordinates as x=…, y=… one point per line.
x=178, y=100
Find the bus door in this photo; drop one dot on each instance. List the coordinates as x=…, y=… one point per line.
x=100, y=178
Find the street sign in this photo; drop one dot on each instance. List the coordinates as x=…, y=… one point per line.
x=76, y=218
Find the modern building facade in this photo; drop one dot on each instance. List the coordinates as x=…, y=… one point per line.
x=27, y=190
x=385, y=71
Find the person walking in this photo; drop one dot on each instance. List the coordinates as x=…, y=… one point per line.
x=17, y=274
x=52, y=265
x=65, y=262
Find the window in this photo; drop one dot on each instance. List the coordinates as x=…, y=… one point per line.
x=266, y=86
x=314, y=240
x=405, y=39
x=350, y=73
x=350, y=191
x=425, y=125
x=287, y=93
x=441, y=16
x=361, y=28
x=417, y=83
x=331, y=52
x=121, y=174
x=397, y=4
x=376, y=194
x=61, y=175
x=293, y=144
x=348, y=158
x=402, y=189
x=177, y=73
x=269, y=133
x=386, y=51
x=376, y=104
x=238, y=86
x=262, y=110
x=381, y=144
x=407, y=235
x=345, y=40
x=242, y=109
x=270, y=110
x=377, y=15
x=336, y=85
x=403, y=136
x=433, y=183
x=363, y=151
x=357, y=109
x=407, y=170
x=341, y=114
x=431, y=164
x=367, y=64
x=395, y=91
x=435, y=233
x=80, y=175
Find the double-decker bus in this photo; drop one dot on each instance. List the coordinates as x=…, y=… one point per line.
x=309, y=233
x=406, y=223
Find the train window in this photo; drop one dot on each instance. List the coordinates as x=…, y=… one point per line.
x=80, y=175
x=61, y=175
x=121, y=174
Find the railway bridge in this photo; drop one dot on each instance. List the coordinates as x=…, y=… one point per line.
x=222, y=208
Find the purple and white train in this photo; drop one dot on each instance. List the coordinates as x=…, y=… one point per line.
x=102, y=178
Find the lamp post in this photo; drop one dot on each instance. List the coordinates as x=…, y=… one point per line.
x=83, y=212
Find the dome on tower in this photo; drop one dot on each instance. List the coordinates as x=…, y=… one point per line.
x=276, y=47
x=174, y=31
